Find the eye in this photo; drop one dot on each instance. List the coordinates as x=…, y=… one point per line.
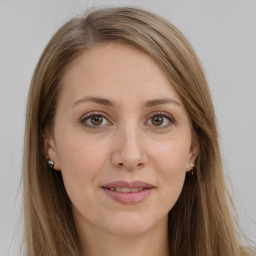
x=94, y=120
x=160, y=120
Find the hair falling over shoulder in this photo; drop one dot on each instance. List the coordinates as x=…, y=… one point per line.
x=201, y=223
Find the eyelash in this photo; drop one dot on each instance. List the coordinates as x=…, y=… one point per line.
x=88, y=116
x=159, y=114
x=163, y=115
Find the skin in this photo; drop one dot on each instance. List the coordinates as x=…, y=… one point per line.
x=130, y=144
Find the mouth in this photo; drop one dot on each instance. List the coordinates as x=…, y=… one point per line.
x=128, y=192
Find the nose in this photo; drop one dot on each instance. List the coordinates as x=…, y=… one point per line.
x=129, y=150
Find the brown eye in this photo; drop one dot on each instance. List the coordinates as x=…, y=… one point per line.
x=160, y=120
x=157, y=120
x=96, y=120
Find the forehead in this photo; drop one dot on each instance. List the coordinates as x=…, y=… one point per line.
x=110, y=57
x=116, y=70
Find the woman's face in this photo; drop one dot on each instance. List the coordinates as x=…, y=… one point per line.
x=122, y=140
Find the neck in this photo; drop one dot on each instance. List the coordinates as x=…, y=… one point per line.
x=95, y=242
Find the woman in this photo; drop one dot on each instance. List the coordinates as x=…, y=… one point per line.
x=121, y=147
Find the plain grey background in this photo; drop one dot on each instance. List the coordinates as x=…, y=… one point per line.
x=223, y=34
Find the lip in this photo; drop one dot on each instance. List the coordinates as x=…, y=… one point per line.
x=128, y=198
x=126, y=184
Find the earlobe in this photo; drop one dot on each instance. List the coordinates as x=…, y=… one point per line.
x=194, y=151
x=50, y=151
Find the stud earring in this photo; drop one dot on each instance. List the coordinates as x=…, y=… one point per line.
x=191, y=172
x=192, y=165
x=50, y=164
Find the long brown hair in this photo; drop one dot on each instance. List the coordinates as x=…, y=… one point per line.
x=200, y=223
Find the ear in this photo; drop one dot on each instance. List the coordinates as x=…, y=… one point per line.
x=50, y=150
x=193, y=153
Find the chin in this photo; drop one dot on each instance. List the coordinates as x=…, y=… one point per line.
x=132, y=224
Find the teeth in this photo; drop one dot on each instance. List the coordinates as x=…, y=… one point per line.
x=126, y=190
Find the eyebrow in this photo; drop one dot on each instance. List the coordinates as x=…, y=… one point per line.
x=109, y=103
x=162, y=101
x=97, y=100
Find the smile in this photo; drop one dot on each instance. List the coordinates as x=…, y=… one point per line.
x=128, y=192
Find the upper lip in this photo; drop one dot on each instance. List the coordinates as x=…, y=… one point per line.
x=126, y=184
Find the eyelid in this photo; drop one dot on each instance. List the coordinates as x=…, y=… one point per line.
x=88, y=115
x=104, y=115
x=163, y=114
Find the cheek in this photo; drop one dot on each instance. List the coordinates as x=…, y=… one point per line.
x=81, y=160
x=80, y=153
x=172, y=156
x=171, y=165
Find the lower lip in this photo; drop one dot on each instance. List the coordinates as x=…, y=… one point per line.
x=128, y=198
